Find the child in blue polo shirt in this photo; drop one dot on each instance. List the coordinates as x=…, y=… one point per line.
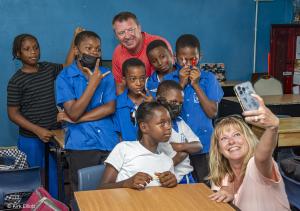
x=161, y=59
x=86, y=92
x=202, y=93
x=134, y=74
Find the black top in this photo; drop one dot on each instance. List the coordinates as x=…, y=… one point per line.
x=34, y=94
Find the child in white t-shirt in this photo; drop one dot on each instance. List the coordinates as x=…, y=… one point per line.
x=138, y=164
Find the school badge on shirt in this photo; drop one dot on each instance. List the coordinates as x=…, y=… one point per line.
x=196, y=100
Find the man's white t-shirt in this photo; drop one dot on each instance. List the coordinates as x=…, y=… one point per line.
x=184, y=134
x=131, y=157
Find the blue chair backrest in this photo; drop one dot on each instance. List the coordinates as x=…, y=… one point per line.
x=19, y=180
x=292, y=188
x=89, y=177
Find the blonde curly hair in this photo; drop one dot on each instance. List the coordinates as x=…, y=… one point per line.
x=218, y=164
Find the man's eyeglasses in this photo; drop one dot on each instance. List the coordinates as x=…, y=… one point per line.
x=235, y=116
x=130, y=31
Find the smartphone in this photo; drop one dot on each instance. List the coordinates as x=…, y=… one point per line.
x=243, y=92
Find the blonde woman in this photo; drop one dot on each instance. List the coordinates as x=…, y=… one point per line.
x=242, y=169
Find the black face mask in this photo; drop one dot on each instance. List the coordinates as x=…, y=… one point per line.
x=174, y=109
x=88, y=61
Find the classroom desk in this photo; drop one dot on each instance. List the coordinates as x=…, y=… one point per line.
x=287, y=104
x=58, y=149
x=289, y=132
x=182, y=197
x=227, y=87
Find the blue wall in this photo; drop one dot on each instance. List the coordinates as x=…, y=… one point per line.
x=225, y=29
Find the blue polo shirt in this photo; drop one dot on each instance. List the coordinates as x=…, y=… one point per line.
x=152, y=83
x=192, y=112
x=93, y=135
x=122, y=117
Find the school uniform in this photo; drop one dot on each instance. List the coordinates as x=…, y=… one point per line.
x=152, y=83
x=124, y=117
x=86, y=139
x=180, y=133
x=194, y=115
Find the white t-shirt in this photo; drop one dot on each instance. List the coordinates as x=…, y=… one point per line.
x=258, y=192
x=184, y=133
x=131, y=157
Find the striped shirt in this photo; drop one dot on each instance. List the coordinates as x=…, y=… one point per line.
x=34, y=94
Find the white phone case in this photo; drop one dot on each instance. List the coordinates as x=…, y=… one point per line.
x=243, y=92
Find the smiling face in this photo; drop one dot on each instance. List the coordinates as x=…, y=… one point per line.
x=233, y=144
x=159, y=126
x=135, y=79
x=29, y=53
x=129, y=34
x=161, y=59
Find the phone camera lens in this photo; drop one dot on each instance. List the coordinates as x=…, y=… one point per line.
x=241, y=92
x=239, y=88
x=243, y=89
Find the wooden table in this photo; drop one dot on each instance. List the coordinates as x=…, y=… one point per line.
x=56, y=146
x=227, y=87
x=182, y=197
x=287, y=104
x=59, y=137
x=289, y=132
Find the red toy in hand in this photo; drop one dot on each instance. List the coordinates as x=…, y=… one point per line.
x=194, y=61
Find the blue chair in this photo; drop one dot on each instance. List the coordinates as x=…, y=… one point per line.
x=19, y=180
x=292, y=188
x=89, y=177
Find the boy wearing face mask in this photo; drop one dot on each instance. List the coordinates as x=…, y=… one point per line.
x=183, y=140
x=86, y=92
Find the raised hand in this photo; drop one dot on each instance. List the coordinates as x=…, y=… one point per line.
x=167, y=179
x=184, y=74
x=262, y=117
x=147, y=97
x=96, y=76
x=78, y=30
x=194, y=76
x=139, y=181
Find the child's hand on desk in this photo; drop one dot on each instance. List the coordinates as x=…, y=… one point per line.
x=194, y=76
x=138, y=181
x=167, y=179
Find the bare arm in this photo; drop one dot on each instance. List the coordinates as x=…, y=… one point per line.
x=179, y=157
x=108, y=181
x=190, y=147
x=264, y=118
x=71, y=53
x=15, y=116
x=99, y=112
